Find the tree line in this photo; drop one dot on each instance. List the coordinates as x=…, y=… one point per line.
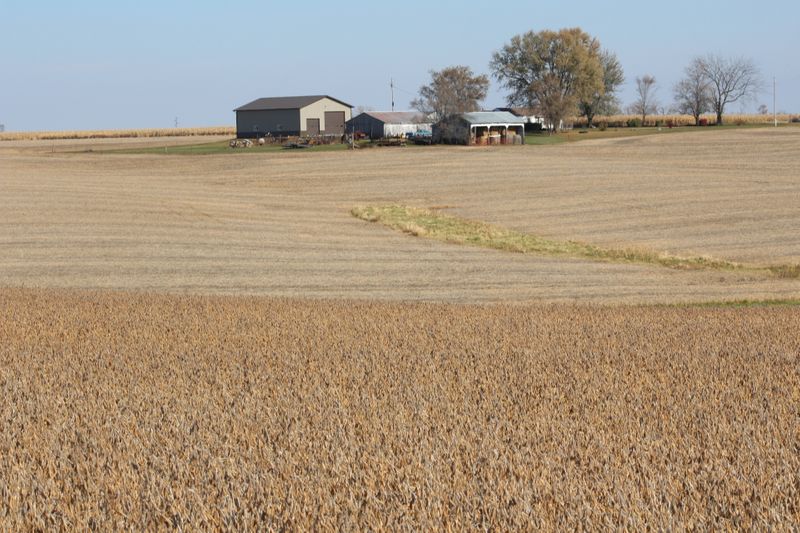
x=567, y=72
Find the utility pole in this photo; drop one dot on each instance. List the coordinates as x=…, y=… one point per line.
x=774, y=100
x=391, y=85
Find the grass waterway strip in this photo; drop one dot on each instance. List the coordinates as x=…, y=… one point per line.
x=434, y=224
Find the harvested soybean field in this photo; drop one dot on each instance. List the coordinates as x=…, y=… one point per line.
x=280, y=224
x=217, y=342
x=149, y=411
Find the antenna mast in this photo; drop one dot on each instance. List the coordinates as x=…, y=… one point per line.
x=391, y=86
x=774, y=100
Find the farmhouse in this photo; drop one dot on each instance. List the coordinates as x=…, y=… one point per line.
x=480, y=127
x=380, y=124
x=293, y=115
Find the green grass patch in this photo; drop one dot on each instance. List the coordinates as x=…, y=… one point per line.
x=776, y=302
x=583, y=134
x=434, y=224
x=544, y=139
x=223, y=147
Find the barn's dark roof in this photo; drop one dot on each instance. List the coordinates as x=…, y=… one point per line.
x=285, y=102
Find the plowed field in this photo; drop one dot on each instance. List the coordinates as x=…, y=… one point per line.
x=279, y=223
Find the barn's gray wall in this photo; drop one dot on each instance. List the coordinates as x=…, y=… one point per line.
x=451, y=131
x=366, y=124
x=275, y=121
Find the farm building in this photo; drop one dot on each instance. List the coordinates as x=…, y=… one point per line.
x=293, y=115
x=480, y=127
x=533, y=122
x=380, y=124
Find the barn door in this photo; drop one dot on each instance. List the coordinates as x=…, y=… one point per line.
x=334, y=122
x=312, y=127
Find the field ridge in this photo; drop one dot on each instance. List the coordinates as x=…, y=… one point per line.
x=434, y=224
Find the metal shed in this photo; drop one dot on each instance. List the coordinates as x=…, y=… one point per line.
x=380, y=124
x=480, y=127
x=293, y=115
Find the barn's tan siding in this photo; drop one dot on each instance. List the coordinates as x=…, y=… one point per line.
x=318, y=109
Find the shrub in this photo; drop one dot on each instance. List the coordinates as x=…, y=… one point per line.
x=603, y=126
x=739, y=122
x=704, y=122
x=795, y=120
x=670, y=123
x=634, y=123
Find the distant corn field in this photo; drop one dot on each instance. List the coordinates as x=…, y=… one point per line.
x=144, y=412
x=619, y=121
x=114, y=134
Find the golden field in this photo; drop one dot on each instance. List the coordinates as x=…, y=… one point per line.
x=216, y=342
x=143, y=411
x=116, y=134
x=738, y=119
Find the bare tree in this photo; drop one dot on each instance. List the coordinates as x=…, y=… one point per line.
x=645, y=103
x=451, y=91
x=605, y=101
x=550, y=70
x=693, y=92
x=731, y=80
x=763, y=109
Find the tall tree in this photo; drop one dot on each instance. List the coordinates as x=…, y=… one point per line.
x=452, y=90
x=550, y=70
x=731, y=80
x=693, y=92
x=645, y=103
x=604, y=102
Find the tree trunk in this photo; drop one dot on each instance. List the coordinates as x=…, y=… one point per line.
x=719, y=117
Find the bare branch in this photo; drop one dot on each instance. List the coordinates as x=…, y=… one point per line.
x=731, y=80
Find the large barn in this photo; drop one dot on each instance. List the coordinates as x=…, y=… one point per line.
x=306, y=116
x=380, y=124
x=480, y=127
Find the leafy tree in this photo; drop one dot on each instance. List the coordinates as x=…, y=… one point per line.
x=731, y=80
x=604, y=102
x=645, y=103
x=693, y=92
x=551, y=70
x=452, y=90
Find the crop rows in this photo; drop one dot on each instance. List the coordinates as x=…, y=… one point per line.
x=116, y=134
x=687, y=120
x=136, y=411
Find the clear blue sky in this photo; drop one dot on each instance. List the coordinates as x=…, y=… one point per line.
x=108, y=64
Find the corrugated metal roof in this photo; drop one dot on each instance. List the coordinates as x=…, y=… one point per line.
x=396, y=117
x=285, y=102
x=491, y=117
